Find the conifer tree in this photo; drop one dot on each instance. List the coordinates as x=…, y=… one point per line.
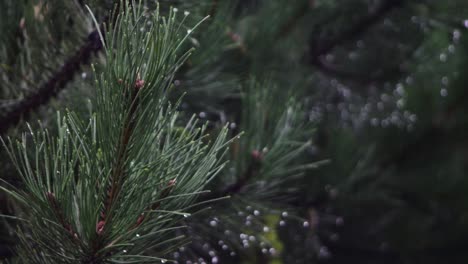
x=247, y=131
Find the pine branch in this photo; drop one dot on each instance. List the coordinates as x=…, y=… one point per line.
x=322, y=47
x=57, y=82
x=118, y=170
x=328, y=69
x=235, y=188
x=129, y=156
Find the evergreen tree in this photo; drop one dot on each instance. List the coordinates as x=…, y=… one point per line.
x=247, y=131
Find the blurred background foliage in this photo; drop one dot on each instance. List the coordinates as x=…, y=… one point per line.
x=381, y=86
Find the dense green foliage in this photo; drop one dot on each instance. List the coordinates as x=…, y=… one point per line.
x=247, y=131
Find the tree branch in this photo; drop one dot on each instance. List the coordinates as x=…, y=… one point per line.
x=252, y=169
x=331, y=70
x=321, y=47
x=20, y=110
x=13, y=114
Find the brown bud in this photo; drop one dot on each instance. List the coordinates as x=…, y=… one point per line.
x=234, y=36
x=22, y=23
x=140, y=219
x=139, y=84
x=171, y=183
x=50, y=196
x=257, y=155
x=100, y=226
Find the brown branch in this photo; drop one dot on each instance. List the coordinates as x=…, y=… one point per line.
x=235, y=188
x=331, y=70
x=57, y=82
x=364, y=24
x=122, y=151
x=61, y=218
x=13, y=114
x=164, y=194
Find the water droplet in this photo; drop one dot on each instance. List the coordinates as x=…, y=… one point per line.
x=443, y=92
x=282, y=223
x=353, y=55
x=400, y=89
x=465, y=23
x=214, y=260
x=137, y=235
x=456, y=35
x=202, y=115
x=266, y=229
x=339, y=221
x=124, y=251
x=232, y=254
x=163, y=261
x=189, y=31
x=305, y=224
x=451, y=48
x=264, y=250
x=284, y=214
x=256, y=212
x=272, y=251
x=212, y=253
x=225, y=247
x=83, y=75
x=385, y=123
x=445, y=80
x=232, y=125
x=323, y=253
x=252, y=238
x=245, y=243
x=443, y=57
x=401, y=103
x=213, y=223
